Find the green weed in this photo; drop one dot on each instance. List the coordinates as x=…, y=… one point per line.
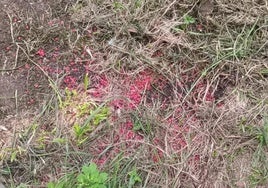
x=138, y=3
x=134, y=178
x=264, y=72
x=187, y=21
x=80, y=132
x=69, y=94
x=59, y=141
x=118, y=6
x=123, y=172
x=144, y=127
x=56, y=185
x=84, y=109
x=68, y=181
x=262, y=134
x=90, y=177
x=96, y=116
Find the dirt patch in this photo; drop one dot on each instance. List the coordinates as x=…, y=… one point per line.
x=23, y=85
x=11, y=92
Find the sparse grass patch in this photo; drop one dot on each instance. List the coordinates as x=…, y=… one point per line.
x=259, y=172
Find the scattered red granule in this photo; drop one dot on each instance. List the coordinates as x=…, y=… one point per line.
x=101, y=161
x=99, y=85
x=210, y=97
x=31, y=101
x=50, y=23
x=27, y=66
x=136, y=89
x=41, y=52
x=55, y=22
x=70, y=82
x=157, y=53
x=197, y=158
x=135, y=96
x=156, y=141
x=117, y=103
x=8, y=48
x=156, y=155
x=200, y=90
x=126, y=132
x=199, y=27
x=220, y=104
x=96, y=94
x=61, y=22
x=27, y=27
x=67, y=69
x=103, y=81
x=130, y=135
x=128, y=125
x=19, y=38
x=15, y=20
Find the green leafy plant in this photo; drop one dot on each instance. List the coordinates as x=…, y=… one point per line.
x=118, y=6
x=143, y=127
x=69, y=94
x=67, y=181
x=56, y=185
x=80, y=132
x=84, y=109
x=59, y=141
x=134, y=178
x=22, y=185
x=96, y=116
x=264, y=72
x=138, y=3
x=14, y=153
x=187, y=20
x=92, y=177
x=101, y=115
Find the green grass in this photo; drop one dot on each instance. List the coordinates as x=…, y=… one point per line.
x=259, y=171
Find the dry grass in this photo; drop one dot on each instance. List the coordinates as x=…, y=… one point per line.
x=187, y=98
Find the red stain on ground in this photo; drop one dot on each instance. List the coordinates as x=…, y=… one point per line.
x=133, y=91
x=41, y=52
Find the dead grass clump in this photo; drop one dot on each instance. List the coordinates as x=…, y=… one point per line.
x=242, y=12
x=125, y=30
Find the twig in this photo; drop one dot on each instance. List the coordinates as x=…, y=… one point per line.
x=11, y=28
